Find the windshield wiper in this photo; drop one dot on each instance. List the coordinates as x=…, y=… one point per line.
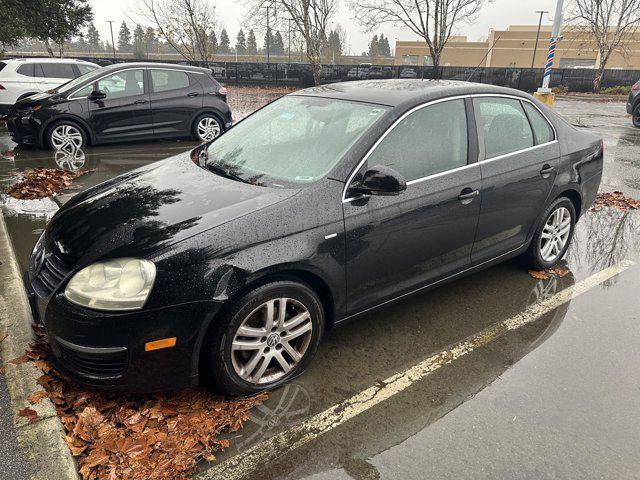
x=225, y=172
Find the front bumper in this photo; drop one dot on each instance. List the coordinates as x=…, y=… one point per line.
x=106, y=350
x=23, y=129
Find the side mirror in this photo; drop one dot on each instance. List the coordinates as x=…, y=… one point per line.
x=97, y=95
x=380, y=180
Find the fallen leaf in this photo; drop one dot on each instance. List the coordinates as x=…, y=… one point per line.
x=37, y=396
x=558, y=271
x=615, y=200
x=4, y=335
x=540, y=275
x=20, y=360
x=42, y=182
x=2, y=370
x=29, y=413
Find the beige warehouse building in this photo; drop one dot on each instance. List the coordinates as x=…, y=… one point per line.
x=514, y=48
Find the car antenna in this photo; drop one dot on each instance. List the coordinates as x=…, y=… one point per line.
x=484, y=58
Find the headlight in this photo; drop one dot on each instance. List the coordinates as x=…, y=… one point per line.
x=122, y=284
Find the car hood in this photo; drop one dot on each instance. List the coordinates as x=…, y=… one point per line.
x=151, y=208
x=35, y=99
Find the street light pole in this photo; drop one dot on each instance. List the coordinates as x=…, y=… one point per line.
x=553, y=41
x=113, y=45
x=268, y=32
x=535, y=49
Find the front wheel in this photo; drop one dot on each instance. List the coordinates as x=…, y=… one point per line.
x=206, y=127
x=552, y=238
x=65, y=135
x=266, y=338
x=636, y=116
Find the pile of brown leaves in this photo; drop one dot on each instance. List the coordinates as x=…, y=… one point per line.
x=615, y=200
x=151, y=437
x=42, y=182
x=548, y=273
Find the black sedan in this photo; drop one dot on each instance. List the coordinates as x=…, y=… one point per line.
x=230, y=262
x=123, y=102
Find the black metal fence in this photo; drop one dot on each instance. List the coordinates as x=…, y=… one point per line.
x=300, y=75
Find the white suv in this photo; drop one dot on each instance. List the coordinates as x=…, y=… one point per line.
x=21, y=77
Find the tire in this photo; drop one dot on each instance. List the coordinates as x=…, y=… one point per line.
x=65, y=134
x=539, y=258
x=206, y=127
x=237, y=371
x=635, y=117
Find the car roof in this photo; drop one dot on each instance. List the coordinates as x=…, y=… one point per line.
x=174, y=66
x=46, y=60
x=402, y=91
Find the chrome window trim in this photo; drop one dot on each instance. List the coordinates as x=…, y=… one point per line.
x=71, y=96
x=433, y=102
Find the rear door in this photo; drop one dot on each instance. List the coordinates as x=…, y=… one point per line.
x=176, y=96
x=53, y=74
x=396, y=244
x=520, y=156
x=125, y=113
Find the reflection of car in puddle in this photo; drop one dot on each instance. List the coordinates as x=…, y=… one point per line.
x=70, y=158
x=407, y=413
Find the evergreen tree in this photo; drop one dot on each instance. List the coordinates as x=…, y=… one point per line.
x=241, y=43
x=374, y=47
x=138, y=43
x=93, y=38
x=252, y=45
x=383, y=46
x=213, y=42
x=268, y=42
x=150, y=40
x=278, y=44
x=124, y=38
x=224, y=46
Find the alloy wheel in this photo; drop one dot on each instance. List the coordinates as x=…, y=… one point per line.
x=208, y=128
x=66, y=136
x=271, y=340
x=555, y=234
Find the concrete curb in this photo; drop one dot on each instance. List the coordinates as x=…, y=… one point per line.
x=42, y=440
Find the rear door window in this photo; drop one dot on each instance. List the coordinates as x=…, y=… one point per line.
x=2, y=65
x=165, y=80
x=85, y=68
x=58, y=70
x=541, y=127
x=504, y=125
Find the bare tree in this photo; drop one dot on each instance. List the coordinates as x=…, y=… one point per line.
x=309, y=18
x=610, y=22
x=186, y=25
x=432, y=20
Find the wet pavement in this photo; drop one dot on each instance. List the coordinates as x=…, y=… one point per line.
x=557, y=397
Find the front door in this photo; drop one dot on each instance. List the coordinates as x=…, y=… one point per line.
x=521, y=158
x=397, y=244
x=175, y=98
x=125, y=113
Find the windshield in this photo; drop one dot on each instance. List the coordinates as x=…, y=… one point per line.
x=76, y=82
x=295, y=139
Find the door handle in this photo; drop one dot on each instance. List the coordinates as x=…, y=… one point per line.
x=467, y=195
x=139, y=102
x=192, y=94
x=546, y=169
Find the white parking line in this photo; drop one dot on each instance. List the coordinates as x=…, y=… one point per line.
x=259, y=455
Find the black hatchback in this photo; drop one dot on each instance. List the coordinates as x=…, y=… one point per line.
x=230, y=261
x=123, y=102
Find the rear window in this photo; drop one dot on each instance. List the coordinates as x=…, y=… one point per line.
x=85, y=68
x=26, y=70
x=58, y=70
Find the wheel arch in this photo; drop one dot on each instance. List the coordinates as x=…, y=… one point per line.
x=212, y=111
x=575, y=197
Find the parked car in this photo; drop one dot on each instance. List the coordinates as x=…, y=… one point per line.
x=22, y=77
x=358, y=72
x=229, y=262
x=408, y=73
x=378, y=73
x=123, y=102
x=633, y=104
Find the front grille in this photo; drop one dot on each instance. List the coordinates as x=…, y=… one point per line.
x=94, y=362
x=50, y=276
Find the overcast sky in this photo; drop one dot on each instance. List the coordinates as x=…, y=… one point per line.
x=498, y=14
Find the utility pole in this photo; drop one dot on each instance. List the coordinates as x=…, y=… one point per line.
x=535, y=49
x=113, y=45
x=268, y=34
x=553, y=41
x=289, y=20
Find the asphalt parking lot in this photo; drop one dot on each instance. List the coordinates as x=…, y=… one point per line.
x=498, y=375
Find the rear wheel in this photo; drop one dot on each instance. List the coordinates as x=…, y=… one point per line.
x=552, y=238
x=206, y=127
x=636, y=116
x=266, y=338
